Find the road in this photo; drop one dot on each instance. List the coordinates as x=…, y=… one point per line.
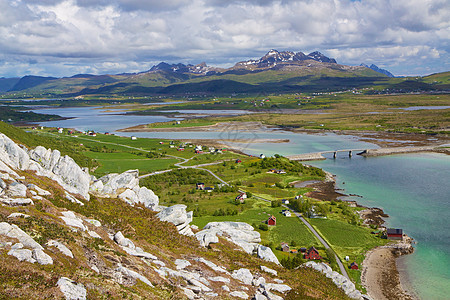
x=198, y=167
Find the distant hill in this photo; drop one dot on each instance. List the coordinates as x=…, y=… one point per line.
x=274, y=72
x=379, y=70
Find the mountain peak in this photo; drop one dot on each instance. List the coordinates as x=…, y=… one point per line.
x=377, y=69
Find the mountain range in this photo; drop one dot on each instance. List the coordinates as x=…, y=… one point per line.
x=275, y=72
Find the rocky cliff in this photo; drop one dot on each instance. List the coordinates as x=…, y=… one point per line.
x=66, y=234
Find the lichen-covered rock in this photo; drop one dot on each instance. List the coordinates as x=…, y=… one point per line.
x=114, y=184
x=281, y=288
x=123, y=241
x=73, y=221
x=17, y=201
x=71, y=290
x=40, y=192
x=182, y=264
x=61, y=247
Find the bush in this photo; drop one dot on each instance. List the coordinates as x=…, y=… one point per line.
x=263, y=227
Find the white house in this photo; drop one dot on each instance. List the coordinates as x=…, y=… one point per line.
x=287, y=213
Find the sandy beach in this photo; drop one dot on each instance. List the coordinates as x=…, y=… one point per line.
x=380, y=276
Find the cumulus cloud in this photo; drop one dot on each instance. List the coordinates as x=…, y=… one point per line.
x=105, y=36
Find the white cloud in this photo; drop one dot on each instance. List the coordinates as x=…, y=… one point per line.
x=131, y=33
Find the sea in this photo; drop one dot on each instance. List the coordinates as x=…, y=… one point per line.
x=413, y=189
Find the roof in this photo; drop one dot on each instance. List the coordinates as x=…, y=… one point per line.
x=312, y=249
x=394, y=231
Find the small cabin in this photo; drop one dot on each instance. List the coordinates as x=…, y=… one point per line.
x=238, y=161
x=285, y=247
x=312, y=253
x=294, y=251
x=209, y=189
x=394, y=234
x=272, y=221
x=200, y=186
x=133, y=138
x=241, y=197
x=262, y=156
x=302, y=249
x=353, y=266
x=287, y=213
x=285, y=201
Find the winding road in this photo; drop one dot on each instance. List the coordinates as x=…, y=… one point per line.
x=184, y=160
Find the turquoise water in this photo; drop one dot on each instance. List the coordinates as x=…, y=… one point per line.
x=413, y=189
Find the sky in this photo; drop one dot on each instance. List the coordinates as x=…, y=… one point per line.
x=67, y=37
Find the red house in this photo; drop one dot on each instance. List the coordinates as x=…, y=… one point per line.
x=312, y=253
x=272, y=221
x=353, y=266
x=394, y=234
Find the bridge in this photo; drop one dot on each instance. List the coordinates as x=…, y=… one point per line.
x=368, y=152
x=319, y=155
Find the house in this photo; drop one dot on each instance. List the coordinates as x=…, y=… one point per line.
x=394, y=234
x=200, y=186
x=180, y=149
x=294, y=251
x=353, y=266
x=133, y=138
x=198, y=151
x=238, y=161
x=284, y=247
x=272, y=221
x=312, y=253
x=209, y=189
x=287, y=213
x=262, y=156
x=302, y=249
x=285, y=201
x=277, y=171
x=298, y=197
x=60, y=130
x=241, y=197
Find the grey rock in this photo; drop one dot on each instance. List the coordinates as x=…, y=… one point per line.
x=258, y=281
x=114, y=184
x=281, y=288
x=17, y=201
x=17, y=189
x=182, y=264
x=259, y=296
x=2, y=184
x=94, y=234
x=61, y=247
x=239, y=294
x=17, y=246
x=94, y=222
x=269, y=270
x=130, y=273
x=41, y=257
x=72, y=220
x=177, y=215
x=266, y=254
x=225, y=288
x=189, y=293
x=71, y=290
x=243, y=275
x=13, y=231
x=22, y=255
x=219, y=279
x=73, y=199
x=355, y=294
x=272, y=296
x=212, y=265
x=123, y=241
x=40, y=192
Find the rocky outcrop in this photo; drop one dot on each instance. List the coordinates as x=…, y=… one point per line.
x=240, y=233
x=71, y=289
x=341, y=281
x=126, y=187
x=44, y=162
x=61, y=247
x=178, y=216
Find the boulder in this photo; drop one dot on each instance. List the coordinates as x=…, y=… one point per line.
x=123, y=241
x=17, y=201
x=130, y=273
x=269, y=270
x=212, y=265
x=22, y=255
x=71, y=290
x=239, y=294
x=73, y=221
x=266, y=254
x=272, y=296
x=219, y=279
x=61, y=247
x=94, y=222
x=243, y=275
x=13, y=231
x=178, y=216
x=182, y=264
x=17, y=189
x=114, y=184
x=41, y=257
x=40, y=192
x=281, y=288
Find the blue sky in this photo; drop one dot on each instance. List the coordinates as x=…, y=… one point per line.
x=67, y=37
